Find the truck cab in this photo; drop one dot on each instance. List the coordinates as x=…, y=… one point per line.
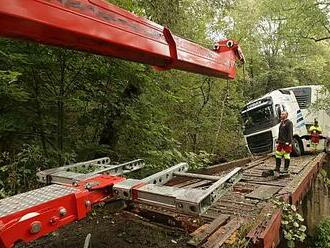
x=261, y=118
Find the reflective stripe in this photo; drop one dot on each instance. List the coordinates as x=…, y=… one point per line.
x=314, y=145
x=301, y=125
x=282, y=154
x=279, y=154
x=300, y=119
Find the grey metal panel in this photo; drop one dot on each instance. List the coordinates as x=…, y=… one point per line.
x=158, y=195
x=32, y=198
x=123, y=190
x=197, y=176
x=191, y=201
x=63, y=175
x=164, y=176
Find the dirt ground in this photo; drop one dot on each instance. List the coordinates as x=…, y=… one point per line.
x=117, y=230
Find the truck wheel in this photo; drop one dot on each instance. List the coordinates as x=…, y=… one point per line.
x=297, y=149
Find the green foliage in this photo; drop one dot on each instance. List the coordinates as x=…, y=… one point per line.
x=12, y=94
x=9, y=88
x=321, y=238
x=277, y=38
x=324, y=177
x=292, y=223
x=168, y=158
x=18, y=171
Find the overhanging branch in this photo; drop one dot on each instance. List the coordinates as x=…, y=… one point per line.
x=317, y=39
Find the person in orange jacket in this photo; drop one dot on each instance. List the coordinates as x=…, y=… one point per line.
x=315, y=131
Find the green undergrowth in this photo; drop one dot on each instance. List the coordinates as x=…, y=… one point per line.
x=292, y=223
x=321, y=239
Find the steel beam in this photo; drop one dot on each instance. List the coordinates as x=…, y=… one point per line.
x=189, y=201
x=67, y=175
x=197, y=176
x=124, y=189
x=164, y=176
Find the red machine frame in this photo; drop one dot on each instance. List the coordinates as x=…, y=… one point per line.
x=36, y=221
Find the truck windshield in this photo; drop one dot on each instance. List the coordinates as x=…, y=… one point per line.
x=258, y=118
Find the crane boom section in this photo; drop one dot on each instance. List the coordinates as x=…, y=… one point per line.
x=98, y=27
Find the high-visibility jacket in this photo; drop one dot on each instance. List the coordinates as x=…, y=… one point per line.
x=315, y=129
x=315, y=133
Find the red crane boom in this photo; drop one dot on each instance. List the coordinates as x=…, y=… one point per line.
x=102, y=28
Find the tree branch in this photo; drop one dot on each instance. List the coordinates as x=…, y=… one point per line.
x=316, y=39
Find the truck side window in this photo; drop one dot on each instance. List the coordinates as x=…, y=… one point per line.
x=278, y=110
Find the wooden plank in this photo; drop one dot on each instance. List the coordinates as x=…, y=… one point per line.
x=234, y=207
x=296, y=169
x=212, y=212
x=252, y=174
x=239, y=203
x=199, y=230
x=227, y=166
x=264, y=192
x=198, y=184
x=186, y=183
x=197, y=240
x=270, y=183
x=259, y=178
x=300, y=184
x=213, y=170
x=257, y=162
x=258, y=225
x=217, y=239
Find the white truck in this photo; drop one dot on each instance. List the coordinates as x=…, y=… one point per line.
x=261, y=118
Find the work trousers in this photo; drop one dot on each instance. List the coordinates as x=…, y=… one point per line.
x=283, y=151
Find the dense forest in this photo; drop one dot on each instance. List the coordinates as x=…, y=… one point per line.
x=59, y=106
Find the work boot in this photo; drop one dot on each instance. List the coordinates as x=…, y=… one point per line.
x=278, y=164
x=286, y=165
x=277, y=167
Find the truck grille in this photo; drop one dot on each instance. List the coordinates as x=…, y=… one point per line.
x=261, y=143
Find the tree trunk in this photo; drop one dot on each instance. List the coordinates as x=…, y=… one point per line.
x=40, y=116
x=60, y=110
x=221, y=118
